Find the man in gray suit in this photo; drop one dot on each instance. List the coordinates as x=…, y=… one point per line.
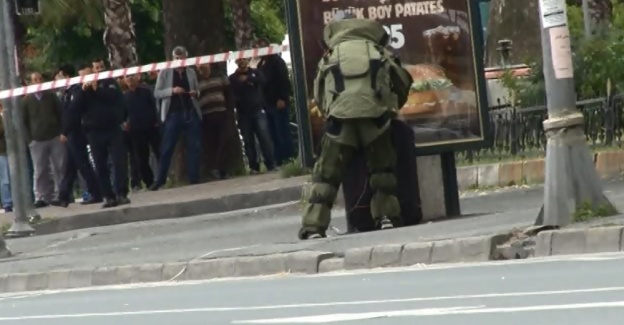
x=180, y=113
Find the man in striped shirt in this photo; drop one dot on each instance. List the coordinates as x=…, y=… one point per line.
x=216, y=107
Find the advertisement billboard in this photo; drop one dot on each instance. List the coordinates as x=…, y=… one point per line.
x=438, y=41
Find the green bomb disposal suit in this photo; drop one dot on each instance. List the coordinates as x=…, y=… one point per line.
x=359, y=88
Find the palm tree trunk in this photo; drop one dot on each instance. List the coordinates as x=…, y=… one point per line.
x=596, y=16
x=119, y=36
x=241, y=18
x=199, y=25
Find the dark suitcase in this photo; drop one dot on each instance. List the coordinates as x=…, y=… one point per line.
x=358, y=193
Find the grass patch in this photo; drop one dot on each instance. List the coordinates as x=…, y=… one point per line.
x=293, y=169
x=44, y=220
x=586, y=212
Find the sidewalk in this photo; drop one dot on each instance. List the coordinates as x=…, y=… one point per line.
x=214, y=197
x=261, y=241
x=255, y=191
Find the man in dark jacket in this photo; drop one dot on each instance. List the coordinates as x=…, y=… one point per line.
x=246, y=87
x=99, y=66
x=142, y=126
x=77, y=154
x=276, y=91
x=98, y=104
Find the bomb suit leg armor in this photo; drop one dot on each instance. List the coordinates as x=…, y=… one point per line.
x=337, y=148
x=339, y=144
x=381, y=159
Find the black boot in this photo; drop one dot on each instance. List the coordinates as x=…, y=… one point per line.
x=110, y=203
x=59, y=203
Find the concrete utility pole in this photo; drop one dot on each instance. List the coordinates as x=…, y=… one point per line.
x=22, y=203
x=571, y=178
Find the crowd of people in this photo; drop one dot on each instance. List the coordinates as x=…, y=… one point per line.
x=106, y=133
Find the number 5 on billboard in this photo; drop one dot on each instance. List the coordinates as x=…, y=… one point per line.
x=396, y=34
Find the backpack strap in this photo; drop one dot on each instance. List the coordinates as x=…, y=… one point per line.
x=338, y=80
x=375, y=66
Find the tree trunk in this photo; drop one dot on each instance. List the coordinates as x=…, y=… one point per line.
x=241, y=18
x=517, y=21
x=597, y=16
x=119, y=36
x=199, y=25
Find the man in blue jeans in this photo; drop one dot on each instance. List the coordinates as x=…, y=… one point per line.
x=246, y=84
x=179, y=111
x=5, y=180
x=276, y=91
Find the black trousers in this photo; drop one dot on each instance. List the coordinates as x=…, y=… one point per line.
x=141, y=142
x=105, y=144
x=255, y=126
x=78, y=161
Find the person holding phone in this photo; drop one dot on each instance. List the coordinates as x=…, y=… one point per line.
x=180, y=114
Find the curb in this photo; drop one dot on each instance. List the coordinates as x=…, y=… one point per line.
x=476, y=249
x=472, y=249
x=183, y=209
x=580, y=241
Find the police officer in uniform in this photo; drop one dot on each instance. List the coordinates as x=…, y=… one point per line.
x=359, y=88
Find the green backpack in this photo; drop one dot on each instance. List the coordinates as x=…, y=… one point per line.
x=355, y=80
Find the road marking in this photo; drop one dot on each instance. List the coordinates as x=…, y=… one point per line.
x=309, y=305
x=19, y=296
x=470, y=310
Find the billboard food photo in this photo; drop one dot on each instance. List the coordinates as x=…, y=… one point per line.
x=434, y=42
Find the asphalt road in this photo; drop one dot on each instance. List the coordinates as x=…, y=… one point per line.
x=254, y=232
x=566, y=290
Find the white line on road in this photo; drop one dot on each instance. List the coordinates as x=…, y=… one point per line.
x=309, y=305
x=468, y=310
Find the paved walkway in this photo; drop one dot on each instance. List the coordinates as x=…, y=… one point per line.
x=255, y=232
x=217, y=189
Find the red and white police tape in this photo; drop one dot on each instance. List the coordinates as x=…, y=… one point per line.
x=214, y=58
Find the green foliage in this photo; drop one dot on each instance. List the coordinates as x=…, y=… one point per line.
x=575, y=23
x=527, y=91
x=71, y=31
x=600, y=59
x=267, y=18
x=597, y=61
